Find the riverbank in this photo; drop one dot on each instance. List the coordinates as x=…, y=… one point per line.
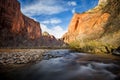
x=20, y=56
x=24, y=56
x=64, y=64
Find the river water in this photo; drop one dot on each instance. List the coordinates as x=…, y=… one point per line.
x=65, y=65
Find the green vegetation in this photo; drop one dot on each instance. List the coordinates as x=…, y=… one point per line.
x=104, y=45
x=88, y=46
x=45, y=33
x=110, y=39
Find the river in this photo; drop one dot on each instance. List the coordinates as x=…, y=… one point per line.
x=63, y=64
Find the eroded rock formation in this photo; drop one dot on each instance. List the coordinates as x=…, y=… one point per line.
x=88, y=25
x=96, y=30
x=12, y=18
x=18, y=30
x=14, y=26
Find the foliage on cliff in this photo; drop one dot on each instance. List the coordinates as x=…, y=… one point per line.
x=110, y=38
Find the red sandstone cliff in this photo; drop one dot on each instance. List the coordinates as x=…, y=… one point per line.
x=88, y=25
x=14, y=26
x=18, y=30
x=97, y=30
x=17, y=23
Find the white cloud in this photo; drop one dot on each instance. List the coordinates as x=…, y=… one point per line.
x=52, y=21
x=57, y=31
x=72, y=3
x=48, y=7
x=73, y=11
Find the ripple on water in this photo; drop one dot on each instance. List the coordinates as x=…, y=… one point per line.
x=66, y=68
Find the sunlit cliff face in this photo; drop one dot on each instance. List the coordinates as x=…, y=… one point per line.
x=88, y=25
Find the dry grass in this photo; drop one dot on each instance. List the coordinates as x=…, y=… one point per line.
x=112, y=39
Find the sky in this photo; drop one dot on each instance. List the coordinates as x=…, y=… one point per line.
x=54, y=15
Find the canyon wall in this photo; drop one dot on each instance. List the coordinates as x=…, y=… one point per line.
x=96, y=30
x=50, y=41
x=88, y=25
x=18, y=30
x=15, y=22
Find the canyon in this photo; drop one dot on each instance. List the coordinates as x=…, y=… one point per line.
x=18, y=30
x=96, y=30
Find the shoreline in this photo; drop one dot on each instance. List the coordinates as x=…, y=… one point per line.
x=20, y=56
x=26, y=56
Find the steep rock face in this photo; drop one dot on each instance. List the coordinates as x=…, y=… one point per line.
x=97, y=30
x=50, y=41
x=88, y=25
x=33, y=28
x=15, y=27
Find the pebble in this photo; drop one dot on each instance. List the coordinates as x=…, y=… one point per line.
x=21, y=57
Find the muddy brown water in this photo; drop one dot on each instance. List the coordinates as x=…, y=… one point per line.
x=63, y=64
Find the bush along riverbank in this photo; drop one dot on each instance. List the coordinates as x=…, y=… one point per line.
x=95, y=47
x=20, y=56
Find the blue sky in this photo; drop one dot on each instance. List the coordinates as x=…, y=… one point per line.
x=55, y=15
